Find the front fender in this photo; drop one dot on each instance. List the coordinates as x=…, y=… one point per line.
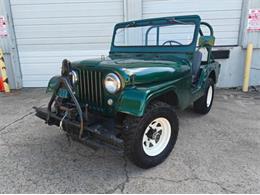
x=134, y=100
x=53, y=84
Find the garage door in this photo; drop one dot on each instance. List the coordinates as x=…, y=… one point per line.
x=48, y=31
x=224, y=15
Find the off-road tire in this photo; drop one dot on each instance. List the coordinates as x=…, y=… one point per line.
x=200, y=106
x=134, y=129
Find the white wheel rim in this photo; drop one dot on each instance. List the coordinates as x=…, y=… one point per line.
x=209, y=96
x=156, y=136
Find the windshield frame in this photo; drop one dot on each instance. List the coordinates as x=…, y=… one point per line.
x=154, y=22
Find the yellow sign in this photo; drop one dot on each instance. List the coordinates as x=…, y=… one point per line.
x=3, y=72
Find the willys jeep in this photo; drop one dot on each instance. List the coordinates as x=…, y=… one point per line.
x=129, y=98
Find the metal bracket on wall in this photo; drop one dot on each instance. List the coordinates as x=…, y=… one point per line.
x=221, y=54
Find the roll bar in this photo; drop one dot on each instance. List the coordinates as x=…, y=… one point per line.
x=209, y=27
x=158, y=31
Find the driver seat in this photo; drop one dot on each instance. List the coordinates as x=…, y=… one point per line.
x=196, y=62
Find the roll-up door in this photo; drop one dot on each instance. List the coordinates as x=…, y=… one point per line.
x=48, y=31
x=223, y=15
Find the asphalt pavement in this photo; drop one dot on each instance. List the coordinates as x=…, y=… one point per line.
x=215, y=153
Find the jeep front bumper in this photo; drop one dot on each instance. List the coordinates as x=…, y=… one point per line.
x=81, y=129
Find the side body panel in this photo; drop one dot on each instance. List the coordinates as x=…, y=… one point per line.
x=198, y=90
x=134, y=100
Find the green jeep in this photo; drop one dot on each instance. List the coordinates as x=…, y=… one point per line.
x=129, y=98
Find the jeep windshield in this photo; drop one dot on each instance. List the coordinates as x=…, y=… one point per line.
x=156, y=34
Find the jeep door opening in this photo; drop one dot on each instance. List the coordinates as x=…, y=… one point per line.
x=129, y=98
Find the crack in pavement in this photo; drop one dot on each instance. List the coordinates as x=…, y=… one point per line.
x=187, y=179
x=121, y=186
x=17, y=120
x=126, y=175
x=218, y=184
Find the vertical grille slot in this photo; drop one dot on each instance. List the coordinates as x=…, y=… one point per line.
x=96, y=88
x=88, y=84
x=91, y=88
x=84, y=84
x=100, y=88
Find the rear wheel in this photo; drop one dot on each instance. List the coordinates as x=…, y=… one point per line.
x=150, y=139
x=204, y=104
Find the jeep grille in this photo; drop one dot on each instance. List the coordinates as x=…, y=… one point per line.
x=91, y=88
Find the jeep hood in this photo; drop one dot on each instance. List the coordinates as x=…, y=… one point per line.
x=143, y=71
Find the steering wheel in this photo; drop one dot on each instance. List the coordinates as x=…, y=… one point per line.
x=170, y=42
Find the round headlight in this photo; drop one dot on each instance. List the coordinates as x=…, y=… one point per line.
x=74, y=77
x=112, y=83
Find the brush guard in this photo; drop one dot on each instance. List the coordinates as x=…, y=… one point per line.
x=79, y=130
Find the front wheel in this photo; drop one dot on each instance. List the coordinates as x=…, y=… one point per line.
x=150, y=139
x=204, y=104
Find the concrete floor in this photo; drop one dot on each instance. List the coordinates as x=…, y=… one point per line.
x=216, y=153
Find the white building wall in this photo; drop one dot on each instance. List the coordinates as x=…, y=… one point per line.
x=47, y=31
x=229, y=20
x=223, y=15
x=232, y=70
x=8, y=45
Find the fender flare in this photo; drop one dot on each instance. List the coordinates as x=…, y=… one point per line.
x=134, y=101
x=53, y=84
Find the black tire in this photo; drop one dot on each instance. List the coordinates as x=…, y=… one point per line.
x=201, y=106
x=134, y=129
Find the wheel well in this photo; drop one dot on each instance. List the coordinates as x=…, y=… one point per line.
x=212, y=75
x=169, y=98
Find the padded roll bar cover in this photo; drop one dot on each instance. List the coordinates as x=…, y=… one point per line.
x=196, y=62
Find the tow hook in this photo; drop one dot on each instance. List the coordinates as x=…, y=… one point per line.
x=61, y=127
x=61, y=122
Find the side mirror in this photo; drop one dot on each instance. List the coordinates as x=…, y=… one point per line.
x=206, y=41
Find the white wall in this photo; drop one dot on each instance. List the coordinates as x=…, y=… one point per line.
x=47, y=31
x=223, y=15
x=229, y=20
x=8, y=45
x=232, y=70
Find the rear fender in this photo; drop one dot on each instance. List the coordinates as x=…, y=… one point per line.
x=206, y=71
